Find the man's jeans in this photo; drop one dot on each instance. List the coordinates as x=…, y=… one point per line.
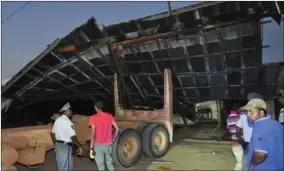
x=103, y=157
x=245, y=158
x=238, y=153
x=64, y=156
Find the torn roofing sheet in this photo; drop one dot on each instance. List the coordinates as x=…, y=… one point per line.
x=213, y=50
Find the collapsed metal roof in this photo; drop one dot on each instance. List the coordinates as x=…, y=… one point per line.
x=213, y=49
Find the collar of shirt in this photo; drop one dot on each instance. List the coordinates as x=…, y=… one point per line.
x=100, y=113
x=261, y=119
x=234, y=112
x=66, y=117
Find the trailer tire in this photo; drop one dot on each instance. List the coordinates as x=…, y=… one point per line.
x=127, y=143
x=155, y=141
x=142, y=127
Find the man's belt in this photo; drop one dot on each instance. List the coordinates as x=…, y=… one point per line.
x=63, y=142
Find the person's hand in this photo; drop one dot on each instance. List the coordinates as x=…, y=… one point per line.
x=114, y=139
x=251, y=168
x=80, y=151
x=91, y=155
x=245, y=145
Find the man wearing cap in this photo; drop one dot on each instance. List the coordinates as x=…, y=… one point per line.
x=266, y=144
x=244, y=130
x=63, y=136
x=102, y=138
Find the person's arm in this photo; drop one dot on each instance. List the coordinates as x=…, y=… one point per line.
x=92, y=136
x=76, y=141
x=71, y=131
x=239, y=131
x=260, y=150
x=53, y=138
x=258, y=157
x=227, y=126
x=93, y=131
x=116, y=128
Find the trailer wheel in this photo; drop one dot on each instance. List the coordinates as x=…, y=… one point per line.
x=142, y=127
x=155, y=141
x=127, y=148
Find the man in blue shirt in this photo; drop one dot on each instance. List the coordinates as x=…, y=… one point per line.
x=266, y=144
x=245, y=126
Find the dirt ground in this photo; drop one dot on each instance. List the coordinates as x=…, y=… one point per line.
x=184, y=154
x=197, y=156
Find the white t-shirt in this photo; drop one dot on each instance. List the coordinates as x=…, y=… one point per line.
x=281, y=116
x=63, y=129
x=246, y=126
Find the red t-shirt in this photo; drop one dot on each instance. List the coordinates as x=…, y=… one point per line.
x=103, y=125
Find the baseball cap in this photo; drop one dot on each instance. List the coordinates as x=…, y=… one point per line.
x=259, y=103
x=65, y=107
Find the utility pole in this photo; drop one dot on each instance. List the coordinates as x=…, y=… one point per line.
x=170, y=8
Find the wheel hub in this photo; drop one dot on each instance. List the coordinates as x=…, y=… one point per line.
x=130, y=148
x=160, y=141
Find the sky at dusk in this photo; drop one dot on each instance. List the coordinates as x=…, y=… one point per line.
x=26, y=34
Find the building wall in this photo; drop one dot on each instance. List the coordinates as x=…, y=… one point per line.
x=271, y=108
x=212, y=105
x=215, y=113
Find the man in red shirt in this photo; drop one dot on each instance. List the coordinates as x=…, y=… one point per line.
x=101, y=137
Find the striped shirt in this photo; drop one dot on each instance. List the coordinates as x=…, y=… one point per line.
x=232, y=126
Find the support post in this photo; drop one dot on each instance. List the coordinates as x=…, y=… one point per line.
x=168, y=101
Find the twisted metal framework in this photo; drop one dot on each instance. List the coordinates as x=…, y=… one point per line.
x=213, y=49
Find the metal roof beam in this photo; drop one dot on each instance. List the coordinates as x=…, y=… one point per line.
x=48, y=72
x=184, y=74
x=37, y=88
x=57, y=71
x=189, y=65
x=188, y=57
x=221, y=86
x=133, y=80
x=137, y=87
x=91, y=66
x=113, y=56
x=82, y=94
x=62, y=59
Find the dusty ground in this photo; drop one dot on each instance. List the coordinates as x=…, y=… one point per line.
x=197, y=156
x=183, y=155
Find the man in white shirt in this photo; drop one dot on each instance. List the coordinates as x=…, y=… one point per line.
x=64, y=137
